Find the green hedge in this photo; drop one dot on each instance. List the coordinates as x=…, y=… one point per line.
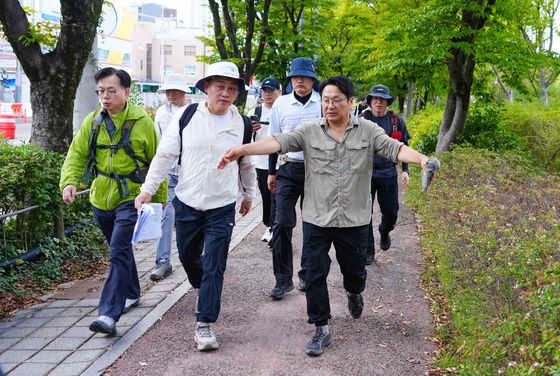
x=30, y=177
x=539, y=128
x=491, y=237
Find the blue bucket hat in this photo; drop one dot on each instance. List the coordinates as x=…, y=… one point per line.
x=302, y=66
x=379, y=91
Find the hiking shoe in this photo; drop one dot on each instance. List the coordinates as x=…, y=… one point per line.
x=279, y=291
x=370, y=258
x=104, y=324
x=204, y=337
x=385, y=241
x=267, y=236
x=129, y=304
x=302, y=284
x=163, y=269
x=355, y=304
x=317, y=345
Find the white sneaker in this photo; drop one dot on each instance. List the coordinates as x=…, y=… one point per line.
x=267, y=235
x=204, y=337
x=130, y=303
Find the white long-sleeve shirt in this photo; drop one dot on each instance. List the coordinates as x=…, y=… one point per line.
x=202, y=185
x=164, y=115
x=261, y=161
x=287, y=113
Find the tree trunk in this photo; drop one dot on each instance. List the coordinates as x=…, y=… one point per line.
x=461, y=65
x=544, y=86
x=54, y=76
x=409, y=100
x=461, y=71
x=86, y=99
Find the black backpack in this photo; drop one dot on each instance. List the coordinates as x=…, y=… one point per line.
x=140, y=165
x=397, y=132
x=187, y=116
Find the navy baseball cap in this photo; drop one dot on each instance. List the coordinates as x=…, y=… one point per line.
x=271, y=83
x=379, y=91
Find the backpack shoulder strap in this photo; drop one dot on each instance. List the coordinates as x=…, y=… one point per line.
x=92, y=161
x=125, y=141
x=395, y=123
x=183, y=122
x=248, y=129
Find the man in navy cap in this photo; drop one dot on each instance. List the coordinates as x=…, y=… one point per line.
x=288, y=112
x=384, y=179
x=270, y=91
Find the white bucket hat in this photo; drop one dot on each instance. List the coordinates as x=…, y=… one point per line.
x=222, y=69
x=175, y=82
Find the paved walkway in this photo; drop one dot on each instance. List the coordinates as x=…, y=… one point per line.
x=53, y=337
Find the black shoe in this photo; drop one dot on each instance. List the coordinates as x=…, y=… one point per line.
x=317, y=345
x=302, y=285
x=385, y=242
x=279, y=291
x=355, y=304
x=370, y=258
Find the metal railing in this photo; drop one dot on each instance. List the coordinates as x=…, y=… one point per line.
x=58, y=231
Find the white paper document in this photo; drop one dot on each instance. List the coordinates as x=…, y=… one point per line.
x=148, y=225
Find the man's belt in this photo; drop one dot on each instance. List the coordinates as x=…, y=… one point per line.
x=381, y=166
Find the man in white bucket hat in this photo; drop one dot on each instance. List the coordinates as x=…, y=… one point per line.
x=175, y=89
x=205, y=196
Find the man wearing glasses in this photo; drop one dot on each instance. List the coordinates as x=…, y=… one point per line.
x=288, y=112
x=339, y=150
x=99, y=147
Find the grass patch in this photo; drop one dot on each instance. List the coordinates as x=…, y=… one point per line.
x=491, y=237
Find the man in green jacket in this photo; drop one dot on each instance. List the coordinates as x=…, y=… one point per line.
x=125, y=142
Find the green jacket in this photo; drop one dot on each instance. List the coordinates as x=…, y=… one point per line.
x=104, y=192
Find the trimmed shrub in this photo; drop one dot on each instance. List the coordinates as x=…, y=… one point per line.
x=538, y=126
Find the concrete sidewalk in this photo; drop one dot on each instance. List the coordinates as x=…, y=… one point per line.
x=53, y=337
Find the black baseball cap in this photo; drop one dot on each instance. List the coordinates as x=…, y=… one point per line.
x=271, y=82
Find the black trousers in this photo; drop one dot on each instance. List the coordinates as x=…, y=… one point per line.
x=350, y=246
x=267, y=198
x=203, y=239
x=387, y=190
x=290, y=179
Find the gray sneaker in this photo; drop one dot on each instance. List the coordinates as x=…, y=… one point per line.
x=204, y=337
x=163, y=270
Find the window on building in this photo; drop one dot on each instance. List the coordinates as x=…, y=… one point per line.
x=190, y=70
x=167, y=49
x=102, y=54
x=126, y=59
x=149, y=61
x=167, y=70
x=190, y=50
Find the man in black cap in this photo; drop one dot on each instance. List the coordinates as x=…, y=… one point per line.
x=270, y=91
x=384, y=179
x=288, y=112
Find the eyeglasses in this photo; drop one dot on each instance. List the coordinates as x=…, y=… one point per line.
x=109, y=92
x=334, y=101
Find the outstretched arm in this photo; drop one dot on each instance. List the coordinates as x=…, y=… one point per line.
x=409, y=155
x=267, y=145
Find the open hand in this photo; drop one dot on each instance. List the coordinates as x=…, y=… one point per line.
x=229, y=155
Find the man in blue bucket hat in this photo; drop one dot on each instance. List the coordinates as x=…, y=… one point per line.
x=288, y=112
x=384, y=179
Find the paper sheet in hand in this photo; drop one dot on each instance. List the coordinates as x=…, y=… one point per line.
x=148, y=225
